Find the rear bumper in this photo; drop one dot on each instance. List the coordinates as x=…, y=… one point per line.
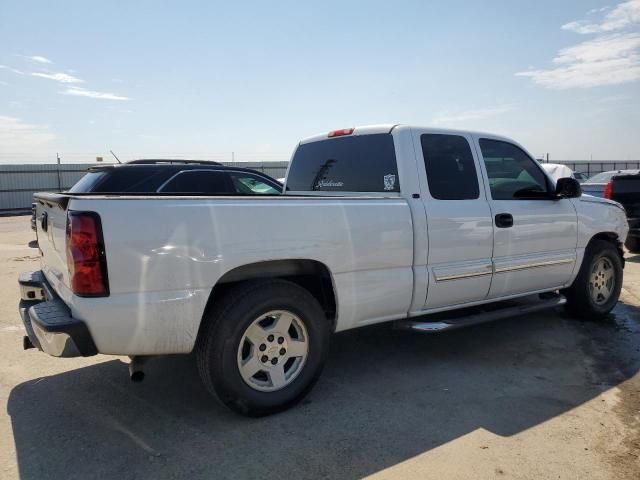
x=48, y=321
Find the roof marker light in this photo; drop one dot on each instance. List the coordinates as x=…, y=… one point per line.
x=341, y=132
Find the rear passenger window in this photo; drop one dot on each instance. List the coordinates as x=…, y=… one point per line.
x=451, y=173
x=364, y=163
x=199, y=181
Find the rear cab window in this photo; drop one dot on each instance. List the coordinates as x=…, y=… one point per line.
x=359, y=163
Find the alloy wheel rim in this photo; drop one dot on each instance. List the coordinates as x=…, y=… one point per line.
x=273, y=351
x=602, y=281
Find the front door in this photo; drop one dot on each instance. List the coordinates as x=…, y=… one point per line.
x=458, y=219
x=535, y=236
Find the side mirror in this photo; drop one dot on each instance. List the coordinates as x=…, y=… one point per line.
x=568, y=188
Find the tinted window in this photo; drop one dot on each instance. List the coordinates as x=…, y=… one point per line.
x=252, y=184
x=86, y=183
x=603, y=177
x=451, y=173
x=199, y=181
x=364, y=163
x=122, y=179
x=512, y=173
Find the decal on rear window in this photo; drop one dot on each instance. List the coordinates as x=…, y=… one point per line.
x=389, y=182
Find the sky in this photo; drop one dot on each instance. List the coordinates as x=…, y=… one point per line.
x=151, y=79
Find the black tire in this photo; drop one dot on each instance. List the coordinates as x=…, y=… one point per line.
x=226, y=323
x=633, y=244
x=580, y=301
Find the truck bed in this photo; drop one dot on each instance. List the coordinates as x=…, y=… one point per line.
x=165, y=253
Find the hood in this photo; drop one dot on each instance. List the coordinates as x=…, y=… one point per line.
x=591, y=199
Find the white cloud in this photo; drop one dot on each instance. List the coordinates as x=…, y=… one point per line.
x=12, y=70
x=470, y=115
x=605, y=60
x=593, y=11
x=39, y=59
x=58, y=77
x=82, y=92
x=17, y=136
x=623, y=15
x=612, y=57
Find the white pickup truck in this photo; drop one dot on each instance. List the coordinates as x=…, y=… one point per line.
x=377, y=224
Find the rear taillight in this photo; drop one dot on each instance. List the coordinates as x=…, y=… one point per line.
x=608, y=189
x=341, y=132
x=85, y=255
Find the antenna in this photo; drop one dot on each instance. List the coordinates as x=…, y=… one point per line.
x=114, y=156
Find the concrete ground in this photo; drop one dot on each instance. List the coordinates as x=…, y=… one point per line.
x=537, y=397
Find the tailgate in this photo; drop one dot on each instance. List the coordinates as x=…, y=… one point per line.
x=51, y=224
x=626, y=190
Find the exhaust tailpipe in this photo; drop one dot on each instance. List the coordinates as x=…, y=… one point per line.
x=136, y=371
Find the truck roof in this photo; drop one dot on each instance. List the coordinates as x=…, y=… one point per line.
x=388, y=127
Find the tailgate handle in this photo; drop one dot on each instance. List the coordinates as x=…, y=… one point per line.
x=44, y=221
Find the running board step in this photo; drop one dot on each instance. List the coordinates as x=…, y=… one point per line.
x=450, y=320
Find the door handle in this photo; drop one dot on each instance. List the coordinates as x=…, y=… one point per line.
x=504, y=220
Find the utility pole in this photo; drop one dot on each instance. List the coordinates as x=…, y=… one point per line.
x=547, y=156
x=233, y=157
x=59, y=182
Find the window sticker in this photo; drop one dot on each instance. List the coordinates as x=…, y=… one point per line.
x=329, y=184
x=389, y=182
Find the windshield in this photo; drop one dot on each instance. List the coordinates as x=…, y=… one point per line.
x=603, y=177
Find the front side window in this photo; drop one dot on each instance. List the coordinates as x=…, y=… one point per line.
x=512, y=173
x=451, y=173
x=252, y=185
x=361, y=163
x=193, y=182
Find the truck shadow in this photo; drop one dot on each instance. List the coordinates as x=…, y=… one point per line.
x=385, y=396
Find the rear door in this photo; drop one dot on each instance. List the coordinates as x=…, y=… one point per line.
x=535, y=237
x=458, y=219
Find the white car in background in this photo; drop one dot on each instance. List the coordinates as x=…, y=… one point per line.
x=557, y=171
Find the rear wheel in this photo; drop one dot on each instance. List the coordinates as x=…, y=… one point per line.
x=263, y=346
x=596, y=289
x=633, y=244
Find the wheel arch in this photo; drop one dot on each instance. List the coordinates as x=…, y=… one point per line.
x=612, y=238
x=312, y=275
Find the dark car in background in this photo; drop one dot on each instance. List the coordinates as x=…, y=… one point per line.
x=623, y=186
x=191, y=177
x=581, y=176
x=172, y=176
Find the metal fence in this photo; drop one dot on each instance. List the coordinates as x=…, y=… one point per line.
x=19, y=182
x=592, y=167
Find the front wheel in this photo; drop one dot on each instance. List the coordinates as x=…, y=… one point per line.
x=596, y=289
x=262, y=346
